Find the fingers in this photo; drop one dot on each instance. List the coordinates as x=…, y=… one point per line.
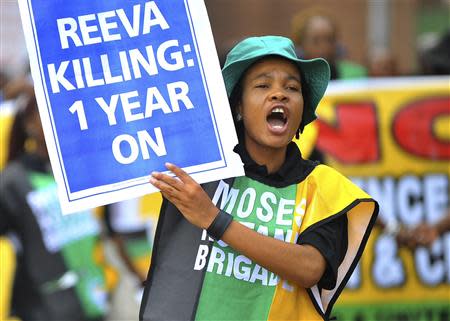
x=169, y=180
x=169, y=193
x=181, y=174
x=171, y=185
x=166, y=189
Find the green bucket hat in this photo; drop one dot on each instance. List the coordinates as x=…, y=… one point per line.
x=315, y=72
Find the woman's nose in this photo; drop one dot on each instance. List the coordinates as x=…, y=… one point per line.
x=278, y=94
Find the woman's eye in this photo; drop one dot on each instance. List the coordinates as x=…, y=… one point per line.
x=293, y=88
x=261, y=86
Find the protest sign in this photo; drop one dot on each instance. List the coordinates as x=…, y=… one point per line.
x=392, y=138
x=124, y=87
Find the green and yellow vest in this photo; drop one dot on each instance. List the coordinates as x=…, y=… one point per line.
x=195, y=278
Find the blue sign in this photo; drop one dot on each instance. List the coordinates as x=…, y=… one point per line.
x=122, y=89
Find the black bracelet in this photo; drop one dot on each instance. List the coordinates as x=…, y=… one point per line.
x=219, y=225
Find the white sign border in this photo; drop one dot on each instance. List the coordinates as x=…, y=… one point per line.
x=229, y=166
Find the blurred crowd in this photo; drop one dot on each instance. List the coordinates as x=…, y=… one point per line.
x=56, y=267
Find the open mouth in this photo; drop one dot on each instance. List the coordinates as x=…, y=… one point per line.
x=277, y=118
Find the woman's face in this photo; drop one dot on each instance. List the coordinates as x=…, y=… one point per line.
x=319, y=39
x=272, y=103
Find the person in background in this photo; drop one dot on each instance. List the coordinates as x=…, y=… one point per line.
x=14, y=91
x=316, y=36
x=434, y=58
x=131, y=232
x=423, y=234
x=14, y=88
x=131, y=226
x=3, y=81
x=382, y=63
x=60, y=271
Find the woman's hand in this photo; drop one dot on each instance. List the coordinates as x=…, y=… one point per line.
x=187, y=195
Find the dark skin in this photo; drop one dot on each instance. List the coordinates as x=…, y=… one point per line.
x=319, y=39
x=270, y=83
x=33, y=127
x=424, y=234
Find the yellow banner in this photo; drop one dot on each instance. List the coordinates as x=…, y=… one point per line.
x=392, y=137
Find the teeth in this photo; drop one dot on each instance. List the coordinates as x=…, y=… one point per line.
x=278, y=110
